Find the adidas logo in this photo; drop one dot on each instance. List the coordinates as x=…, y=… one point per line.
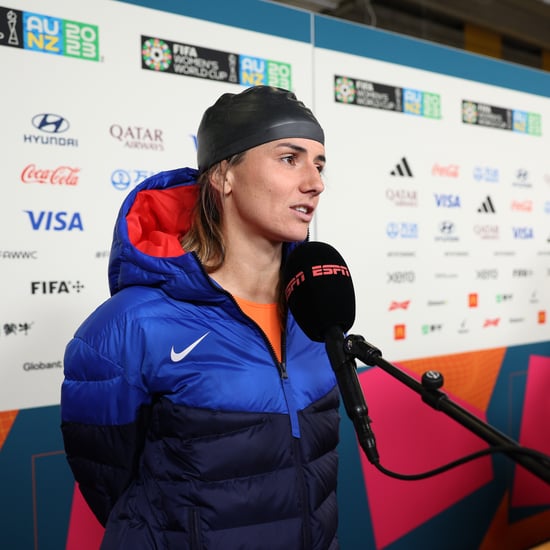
x=487, y=206
x=402, y=168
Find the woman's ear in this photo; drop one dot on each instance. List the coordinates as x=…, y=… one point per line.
x=221, y=178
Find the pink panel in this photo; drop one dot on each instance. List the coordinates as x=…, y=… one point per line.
x=413, y=438
x=528, y=489
x=85, y=532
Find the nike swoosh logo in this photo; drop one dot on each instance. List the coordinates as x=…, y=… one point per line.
x=178, y=356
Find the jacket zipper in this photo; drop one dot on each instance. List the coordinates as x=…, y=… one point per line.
x=280, y=365
x=293, y=415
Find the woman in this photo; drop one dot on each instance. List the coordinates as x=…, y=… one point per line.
x=195, y=412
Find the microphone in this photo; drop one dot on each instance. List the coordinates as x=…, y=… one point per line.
x=318, y=289
x=320, y=295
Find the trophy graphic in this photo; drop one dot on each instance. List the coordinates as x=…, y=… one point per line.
x=13, y=39
x=12, y=21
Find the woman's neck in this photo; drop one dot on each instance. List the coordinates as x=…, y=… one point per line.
x=251, y=273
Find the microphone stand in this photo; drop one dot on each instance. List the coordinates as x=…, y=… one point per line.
x=358, y=347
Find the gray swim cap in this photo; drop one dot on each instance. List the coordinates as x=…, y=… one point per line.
x=237, y=122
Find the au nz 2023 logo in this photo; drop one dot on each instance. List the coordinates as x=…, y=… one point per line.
x=48, y=34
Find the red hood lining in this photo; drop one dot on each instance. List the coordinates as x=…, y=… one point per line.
x=159, y=217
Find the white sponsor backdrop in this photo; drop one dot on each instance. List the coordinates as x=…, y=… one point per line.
x=453, y=291
x=45, y=296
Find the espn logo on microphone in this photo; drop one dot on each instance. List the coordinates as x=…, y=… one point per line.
x=329, y=269
x=320, y=270
x=297, y=280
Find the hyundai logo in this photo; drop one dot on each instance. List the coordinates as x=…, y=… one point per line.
x=50, y=123
x=447, y=227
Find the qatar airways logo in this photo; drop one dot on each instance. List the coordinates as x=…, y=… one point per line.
x=487, y=232
x=402, y=197
x=62, y=175
x=138, y=137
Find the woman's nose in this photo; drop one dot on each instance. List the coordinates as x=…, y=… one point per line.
x=313, y=182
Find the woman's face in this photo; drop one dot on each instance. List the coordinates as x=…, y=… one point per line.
x=274, y=191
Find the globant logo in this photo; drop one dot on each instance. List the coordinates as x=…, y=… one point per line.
x=32, y=366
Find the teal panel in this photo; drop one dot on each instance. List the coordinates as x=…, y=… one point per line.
x=263, y=17
x=346, y=37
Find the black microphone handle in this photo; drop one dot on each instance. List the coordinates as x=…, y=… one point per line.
x=345, y=369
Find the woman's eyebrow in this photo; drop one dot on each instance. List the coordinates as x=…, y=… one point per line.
x=299, y=149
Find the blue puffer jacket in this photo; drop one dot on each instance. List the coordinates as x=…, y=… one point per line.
x=181, y=427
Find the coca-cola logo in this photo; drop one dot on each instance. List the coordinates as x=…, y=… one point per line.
x=62, y=175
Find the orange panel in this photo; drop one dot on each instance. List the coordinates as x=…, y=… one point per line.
x=470, y=376
x=7, y=418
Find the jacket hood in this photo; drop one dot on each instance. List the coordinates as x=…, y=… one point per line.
x=146, y=246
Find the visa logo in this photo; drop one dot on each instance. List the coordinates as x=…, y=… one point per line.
x=522, y=232
x=447, y=201
x=55, y=221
